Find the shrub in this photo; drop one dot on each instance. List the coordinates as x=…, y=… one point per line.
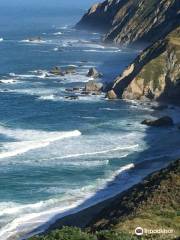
x=66, y=233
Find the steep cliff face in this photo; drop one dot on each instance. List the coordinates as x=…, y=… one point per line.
x=155, y=73
x=99, y=17
x=132, y=21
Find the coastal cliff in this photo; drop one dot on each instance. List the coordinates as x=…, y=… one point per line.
x=154, y=74
x=129, y=21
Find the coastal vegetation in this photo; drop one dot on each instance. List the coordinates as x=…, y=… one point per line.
x=151, y=204
x=154, y=74
x=72, y=233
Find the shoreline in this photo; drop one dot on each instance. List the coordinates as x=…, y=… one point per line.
x=101, y=216
x=83, y=218
x=86, y=214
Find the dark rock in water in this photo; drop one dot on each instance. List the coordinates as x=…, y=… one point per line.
x=35, y=39
x=70, y=44
x=107, y=86
x=95, y=93
x=71, y=97
x=74, y=89
x=160, y=107
x=161, y=122
x=85, y=93
x=69, y=90
x=70, y=70
x=57, y=71
x=94, y=73
x=93, y=86
x=77, y=89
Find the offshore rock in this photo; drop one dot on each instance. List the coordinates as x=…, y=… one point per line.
x=94, y=73
x=93, y=86
x=161, y=122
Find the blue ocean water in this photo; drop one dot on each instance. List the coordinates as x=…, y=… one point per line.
x=56, y=155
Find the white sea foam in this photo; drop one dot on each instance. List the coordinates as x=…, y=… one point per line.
x=27, y=140
x=83, y=164
x=48, y=97
x=32, y=216
x=76, y=78
x=8, y=81
x=91, y=98
x=121, y=170
x=32, y=41
x=57, y=33
x=99, y=152
x=98, y=46
x=110, y=109
x=89, y=117
x=64, y=27
x=22, y=75
x=36, y=74
x=102, y=51
x=1, y=39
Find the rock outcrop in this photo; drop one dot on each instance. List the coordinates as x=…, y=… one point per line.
x=129, y=21
x=155, y=73
x=57, y=71
x=63, y=71
x=94, y=73
x=93, y=86
x=161, y=122
x=111, y=95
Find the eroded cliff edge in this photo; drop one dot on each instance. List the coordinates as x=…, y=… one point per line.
x=154, y=74
x=132, y=21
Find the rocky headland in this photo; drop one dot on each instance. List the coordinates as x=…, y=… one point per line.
x=155, y=73
x=129, y=21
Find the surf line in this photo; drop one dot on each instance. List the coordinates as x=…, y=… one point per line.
x=94, y=153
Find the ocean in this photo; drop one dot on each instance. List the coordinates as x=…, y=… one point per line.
x=57, y=155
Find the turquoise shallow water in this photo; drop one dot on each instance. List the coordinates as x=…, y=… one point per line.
x=55, y=154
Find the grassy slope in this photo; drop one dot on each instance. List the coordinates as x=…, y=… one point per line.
x=156, y=69
x=154, y=203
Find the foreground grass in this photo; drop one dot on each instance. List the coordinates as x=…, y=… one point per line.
x=152, y=204
x=70, y=233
